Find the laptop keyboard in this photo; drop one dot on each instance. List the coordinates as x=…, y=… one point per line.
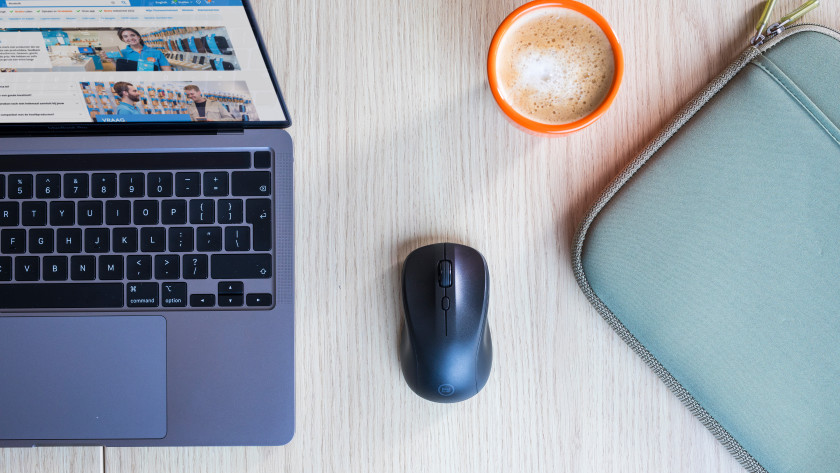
x=173, y=230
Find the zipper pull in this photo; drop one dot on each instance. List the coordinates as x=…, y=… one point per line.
x=762, y=23
x=777, y=28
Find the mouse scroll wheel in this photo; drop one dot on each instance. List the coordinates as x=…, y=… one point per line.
x=445, y=273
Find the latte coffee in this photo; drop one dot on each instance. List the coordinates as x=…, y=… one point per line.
x=554, y=66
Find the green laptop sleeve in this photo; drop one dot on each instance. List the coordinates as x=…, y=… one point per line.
x=716, y=254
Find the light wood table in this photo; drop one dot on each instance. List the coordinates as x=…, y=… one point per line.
x=399, y=144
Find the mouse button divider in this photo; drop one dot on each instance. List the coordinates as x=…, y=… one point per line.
x=441, y=328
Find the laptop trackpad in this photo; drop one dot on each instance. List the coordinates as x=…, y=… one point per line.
x=82, y=377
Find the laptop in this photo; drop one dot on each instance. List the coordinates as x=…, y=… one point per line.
x=146, y=256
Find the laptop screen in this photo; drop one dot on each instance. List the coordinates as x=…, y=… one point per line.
x=195, y=63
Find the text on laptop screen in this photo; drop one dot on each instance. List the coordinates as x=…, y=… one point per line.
x=122, y=61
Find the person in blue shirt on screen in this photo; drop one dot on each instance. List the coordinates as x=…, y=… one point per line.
x=128, y=99
x=138, y=51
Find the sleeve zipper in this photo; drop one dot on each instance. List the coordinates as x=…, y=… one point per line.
x=764, y=33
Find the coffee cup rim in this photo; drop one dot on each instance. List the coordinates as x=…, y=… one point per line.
x=543, y=128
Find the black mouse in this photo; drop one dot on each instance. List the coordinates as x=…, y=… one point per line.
x=445, y=347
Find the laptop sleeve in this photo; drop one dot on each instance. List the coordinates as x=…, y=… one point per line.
x=716, y=254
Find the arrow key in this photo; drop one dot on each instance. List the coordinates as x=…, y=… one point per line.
x=231, y=288
x=231, y=300
x=202, y=300
x=258, y=300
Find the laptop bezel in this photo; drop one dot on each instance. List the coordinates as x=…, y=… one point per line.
x=53, y=129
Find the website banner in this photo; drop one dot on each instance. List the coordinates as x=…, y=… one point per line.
x=71, y=63
x=117, y=3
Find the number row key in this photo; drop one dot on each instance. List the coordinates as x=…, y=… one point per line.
x=110, y=185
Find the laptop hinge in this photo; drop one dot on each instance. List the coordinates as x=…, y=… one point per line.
x=230, y=132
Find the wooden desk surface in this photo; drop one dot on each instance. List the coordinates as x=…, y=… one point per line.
x=399, y=144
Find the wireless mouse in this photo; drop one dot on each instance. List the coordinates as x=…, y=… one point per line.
x=445, y=347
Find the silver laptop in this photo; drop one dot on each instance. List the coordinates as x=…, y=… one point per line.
x=146, y=227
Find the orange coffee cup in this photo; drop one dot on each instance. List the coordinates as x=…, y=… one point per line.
x=531, y=125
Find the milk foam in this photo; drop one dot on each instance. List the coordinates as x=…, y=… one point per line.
x=555, y=66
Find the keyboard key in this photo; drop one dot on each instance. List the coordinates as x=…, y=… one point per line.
x=241, y=266
x=167, y=267
x=258, y=214
x=142, y=294
x=2, y=186
x=97, y=240
x=209, y=239
x=195, y=267
x=103, y=185
x=152, y=240
x=118, y=212
x=203, y=300
x=125, y=240
x=90, y=212
x=55, y=268
x=76, y=186
x=34, y=214
x=132, y=184
x=160, y=184
x=262, y=159
x=258, y=300
x=201, y=211
x=187, y=184
x=237, y=238
x=9, y=214
x=48, y=186
x=20, y=186
x=27, y=268
x=145, y=212
x=257, y=210
x=251, y=183
x=231, y=287
x=230, y=211
x=58, y=296
x=12, y=241
x=41, y=240
x=181, y=239
x=111, y=267
x=216, y=184
x=83, y=268
x=5, y=268
x=138, y=267
x=69, y=240
x=62, y=213
x=231, y=300
x=173, y=212
x=174, y=294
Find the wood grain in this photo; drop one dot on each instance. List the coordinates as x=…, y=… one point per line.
x=52, y=460
x=398, y=144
